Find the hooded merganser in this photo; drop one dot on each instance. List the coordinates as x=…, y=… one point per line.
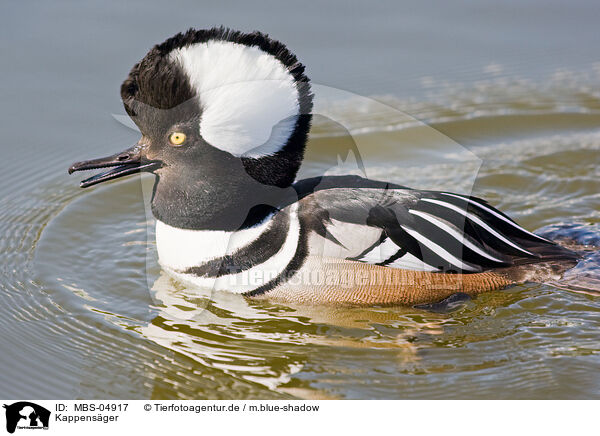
x=224, y=117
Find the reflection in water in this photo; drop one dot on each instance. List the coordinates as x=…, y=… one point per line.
x=251, y=341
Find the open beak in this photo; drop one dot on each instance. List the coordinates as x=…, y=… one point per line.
x=121, y=164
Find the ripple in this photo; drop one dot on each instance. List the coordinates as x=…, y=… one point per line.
x=84, y=302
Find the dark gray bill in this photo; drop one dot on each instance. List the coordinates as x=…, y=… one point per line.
x=121, y=164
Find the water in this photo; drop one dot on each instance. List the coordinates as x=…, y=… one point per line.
x=514, y=113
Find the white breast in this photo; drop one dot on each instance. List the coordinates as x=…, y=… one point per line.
x=179, y=249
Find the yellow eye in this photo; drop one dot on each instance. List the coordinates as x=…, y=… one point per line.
x=177, y=138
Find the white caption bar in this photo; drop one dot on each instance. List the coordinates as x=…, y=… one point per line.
x=295, y=417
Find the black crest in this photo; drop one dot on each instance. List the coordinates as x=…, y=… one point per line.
x=157, y=82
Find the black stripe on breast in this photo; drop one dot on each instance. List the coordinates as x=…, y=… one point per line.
x=256, y=252
x=292, y=267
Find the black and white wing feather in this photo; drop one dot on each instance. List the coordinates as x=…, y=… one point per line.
x=423, y=230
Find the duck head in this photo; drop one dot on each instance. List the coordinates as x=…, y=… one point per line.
x=224, y=117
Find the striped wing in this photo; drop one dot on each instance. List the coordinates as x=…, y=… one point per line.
x=432, y=231
x=452, y=233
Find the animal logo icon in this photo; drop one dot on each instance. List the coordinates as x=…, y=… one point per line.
x=24, y=414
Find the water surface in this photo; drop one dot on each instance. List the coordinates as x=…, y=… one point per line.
x=512, y=110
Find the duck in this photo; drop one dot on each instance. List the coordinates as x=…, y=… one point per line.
x=224, y=118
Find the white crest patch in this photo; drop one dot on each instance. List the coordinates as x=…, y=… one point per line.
x=249, y=99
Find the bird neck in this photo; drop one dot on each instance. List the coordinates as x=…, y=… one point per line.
x=227, y=203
